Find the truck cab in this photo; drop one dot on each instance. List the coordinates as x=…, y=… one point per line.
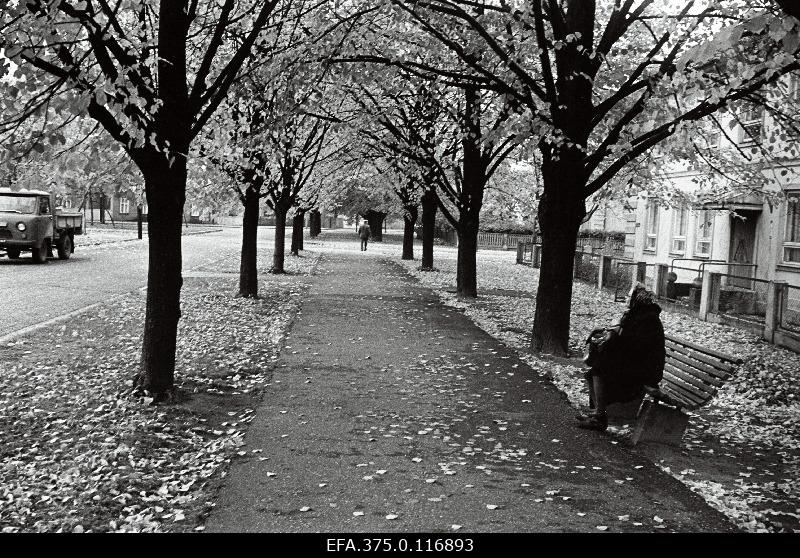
x=29, y=222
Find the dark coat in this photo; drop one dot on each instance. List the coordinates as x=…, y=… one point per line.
x=635, y=356
x=364, y=232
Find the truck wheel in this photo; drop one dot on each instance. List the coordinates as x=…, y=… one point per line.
x=12, y=253
x=40, y=254
x=65, y=248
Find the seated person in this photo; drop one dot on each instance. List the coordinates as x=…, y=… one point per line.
x=630, y=357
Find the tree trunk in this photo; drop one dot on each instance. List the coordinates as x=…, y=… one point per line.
x=297, y=233
x=409, y=220
x=473, y=185
x=561, y=209
x=248, y=269
x=301, y=233
x=467, y=269
x=314, y=224
x=429, y=205
x=375, y=220
x=278, y=255
x=164, y=186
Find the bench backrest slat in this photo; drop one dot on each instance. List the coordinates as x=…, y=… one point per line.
x=694, y=394
x=690, y=377
x=697, y=371
x=706, y=351
x=713, y=365
x=692, y=374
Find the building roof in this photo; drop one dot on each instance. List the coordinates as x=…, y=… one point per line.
x=24, y=192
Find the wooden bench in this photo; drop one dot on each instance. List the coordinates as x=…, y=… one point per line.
x=692, y=376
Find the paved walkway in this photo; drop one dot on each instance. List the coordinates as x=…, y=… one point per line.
x=391, y=412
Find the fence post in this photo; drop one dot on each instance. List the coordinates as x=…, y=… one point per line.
x=660, y=287
x=639, y=272
x=577, y=264
x=520, y=252
x=776, y=302
x=602, y=273
x=709, y=294
x=505, y=241
x=536, y=256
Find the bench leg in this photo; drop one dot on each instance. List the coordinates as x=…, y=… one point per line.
x=624, y=411
x=659, y=423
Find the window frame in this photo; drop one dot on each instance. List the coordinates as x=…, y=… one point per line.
x=126, y=203
x=745, y=138
x=44, y=206
x=683, y=214
x=716, y=134
x=653, y=207
x=788, y=244
x=700, y=217
x=794, y=86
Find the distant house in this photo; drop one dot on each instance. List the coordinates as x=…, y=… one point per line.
x=747, y=235
x=99, y=207
x=748, y=239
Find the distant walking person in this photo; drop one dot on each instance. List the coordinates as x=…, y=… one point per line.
x=364, y=233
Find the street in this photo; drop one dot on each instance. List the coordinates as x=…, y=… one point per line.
x=30, y=293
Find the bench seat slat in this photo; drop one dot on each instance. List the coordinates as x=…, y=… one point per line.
x=716, y=367
x=663, y=395
x=695, y=376
x=681, y=396
x=721, y=356
x=693, y=393
x=674, y=398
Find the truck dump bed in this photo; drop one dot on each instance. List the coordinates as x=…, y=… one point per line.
x=64, y=220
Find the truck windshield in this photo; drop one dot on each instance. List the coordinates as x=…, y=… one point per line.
x=17, y=204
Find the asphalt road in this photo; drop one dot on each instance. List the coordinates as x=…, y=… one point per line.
x=30, y=293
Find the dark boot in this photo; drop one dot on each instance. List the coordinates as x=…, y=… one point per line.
x=595, y=421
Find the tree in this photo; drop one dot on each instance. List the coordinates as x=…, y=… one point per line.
x=400, y=129
x=790, y=7
x=151, y=74
x=369, y=192
x=473, y=136
x=601, y=83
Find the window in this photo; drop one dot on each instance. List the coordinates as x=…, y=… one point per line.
x=679, y=216
x=124, y=206
x=752, y=121
x=794, y=87
x=651, y=229
x=44, y=205
x=791, y=240
x=712, y=139
x=704, y=229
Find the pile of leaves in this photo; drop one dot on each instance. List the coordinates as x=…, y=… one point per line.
x=753, y=421
x=80, y=453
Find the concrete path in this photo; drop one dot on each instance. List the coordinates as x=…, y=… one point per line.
x=391, y=412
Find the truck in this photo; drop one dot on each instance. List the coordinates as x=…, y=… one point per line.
x=31, y=222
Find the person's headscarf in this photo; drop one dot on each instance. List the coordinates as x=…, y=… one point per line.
x=640, y=296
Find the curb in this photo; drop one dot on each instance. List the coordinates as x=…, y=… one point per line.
x=143, y=238
x=14, y=335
